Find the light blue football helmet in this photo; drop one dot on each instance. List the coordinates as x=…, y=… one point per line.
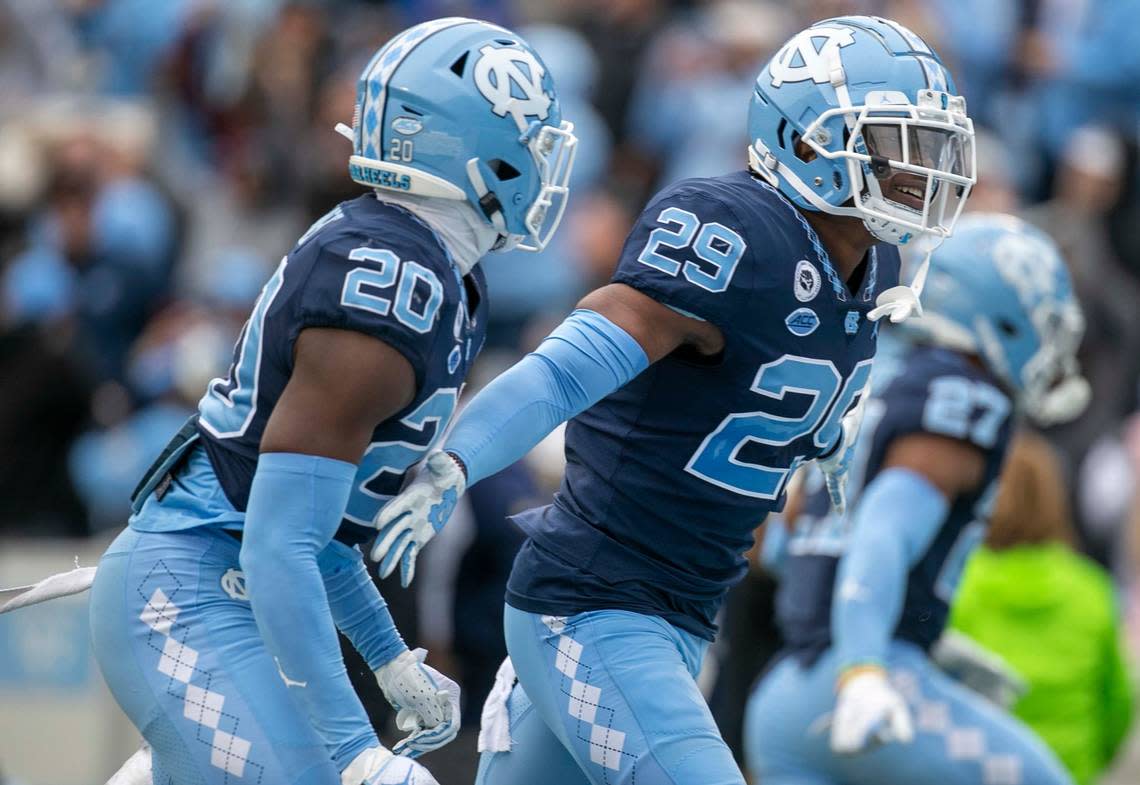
x=870, y=99
x=461, y=109
x=999, y=289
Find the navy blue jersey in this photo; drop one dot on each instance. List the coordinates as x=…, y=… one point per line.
x=374, y=268
x=667, y=478
x=921, y=389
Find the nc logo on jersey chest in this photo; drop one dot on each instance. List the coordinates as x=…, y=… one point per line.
x=511, y=79
x=809, y=55
x=807, y=281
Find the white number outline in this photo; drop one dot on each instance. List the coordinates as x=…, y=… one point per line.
x=690, y=226
x=229, y=399
x=952, y=404
x=391, y=266
x=401, y=150
x=417, y=420
x=822, y=420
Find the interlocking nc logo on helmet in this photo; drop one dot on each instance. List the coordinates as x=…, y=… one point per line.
x=1018, y=260
x=498, y=73
x=804, y=57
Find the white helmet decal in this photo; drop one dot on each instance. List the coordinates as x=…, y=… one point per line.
x=801, y=59
x=496, y=73
x=1017, y=258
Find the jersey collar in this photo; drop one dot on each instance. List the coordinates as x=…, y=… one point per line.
x=464, y=236
x=862, y=299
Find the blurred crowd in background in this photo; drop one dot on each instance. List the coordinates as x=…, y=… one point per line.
x=157, y=157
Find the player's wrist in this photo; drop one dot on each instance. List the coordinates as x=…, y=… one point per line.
x=832, y=451
x=397, y=655
x=851, y=672
x=458, y=462
x=365, y=763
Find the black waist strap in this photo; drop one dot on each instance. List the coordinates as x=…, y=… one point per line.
x=161, y=473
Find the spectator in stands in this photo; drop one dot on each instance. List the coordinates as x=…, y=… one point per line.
x=1050, y=613
x=100, y=251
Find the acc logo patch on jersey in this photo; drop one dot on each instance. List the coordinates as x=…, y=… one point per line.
x=511, y=79
x=802, y=322
x=807, y=282
x=809, y=55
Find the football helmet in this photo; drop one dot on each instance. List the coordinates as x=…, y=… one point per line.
x=999, y=289
x=462, y=109
x=887, y=136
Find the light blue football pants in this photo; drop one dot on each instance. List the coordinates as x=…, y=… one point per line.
x=960, y=737
x=608, y=698
x=178, y=646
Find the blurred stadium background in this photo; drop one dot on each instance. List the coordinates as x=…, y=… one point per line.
x=158, y=156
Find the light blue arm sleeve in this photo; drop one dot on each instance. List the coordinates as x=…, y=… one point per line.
x=774, y=550
x=357, y=607
x=295, y=506
x=897, y=519
x=585, y=359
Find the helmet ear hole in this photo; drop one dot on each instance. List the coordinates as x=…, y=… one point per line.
x=459, y=65
x=1007, y=327
x=502, y=170
x=780, y=133
x=801, y=149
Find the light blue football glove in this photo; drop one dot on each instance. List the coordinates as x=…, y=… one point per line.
x=412, y=518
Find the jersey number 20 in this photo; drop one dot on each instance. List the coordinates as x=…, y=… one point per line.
x=717, y=459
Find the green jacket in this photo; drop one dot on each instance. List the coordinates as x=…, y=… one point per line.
x=1051, y=614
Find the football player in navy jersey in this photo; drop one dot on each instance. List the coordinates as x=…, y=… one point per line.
x=736, y=334
x=214, y=615
x=864, y=597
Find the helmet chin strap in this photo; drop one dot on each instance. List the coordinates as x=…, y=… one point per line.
x=899, y=302
x=902, y=302
x=1063, y=403
x=489, y=204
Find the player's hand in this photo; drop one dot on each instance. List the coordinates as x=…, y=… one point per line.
x=868, y=712
x=837, y=464
x=426, y=703
x=378, y=766
x=835, y=468
x=412, y=518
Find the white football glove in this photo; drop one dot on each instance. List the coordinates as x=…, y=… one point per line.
x=378, y=766
x=426, y=703
x=868, y=712
x=412, y=518
x=137, y=769
x=836, y=465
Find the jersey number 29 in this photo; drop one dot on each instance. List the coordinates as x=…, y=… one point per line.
x=717, y=459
